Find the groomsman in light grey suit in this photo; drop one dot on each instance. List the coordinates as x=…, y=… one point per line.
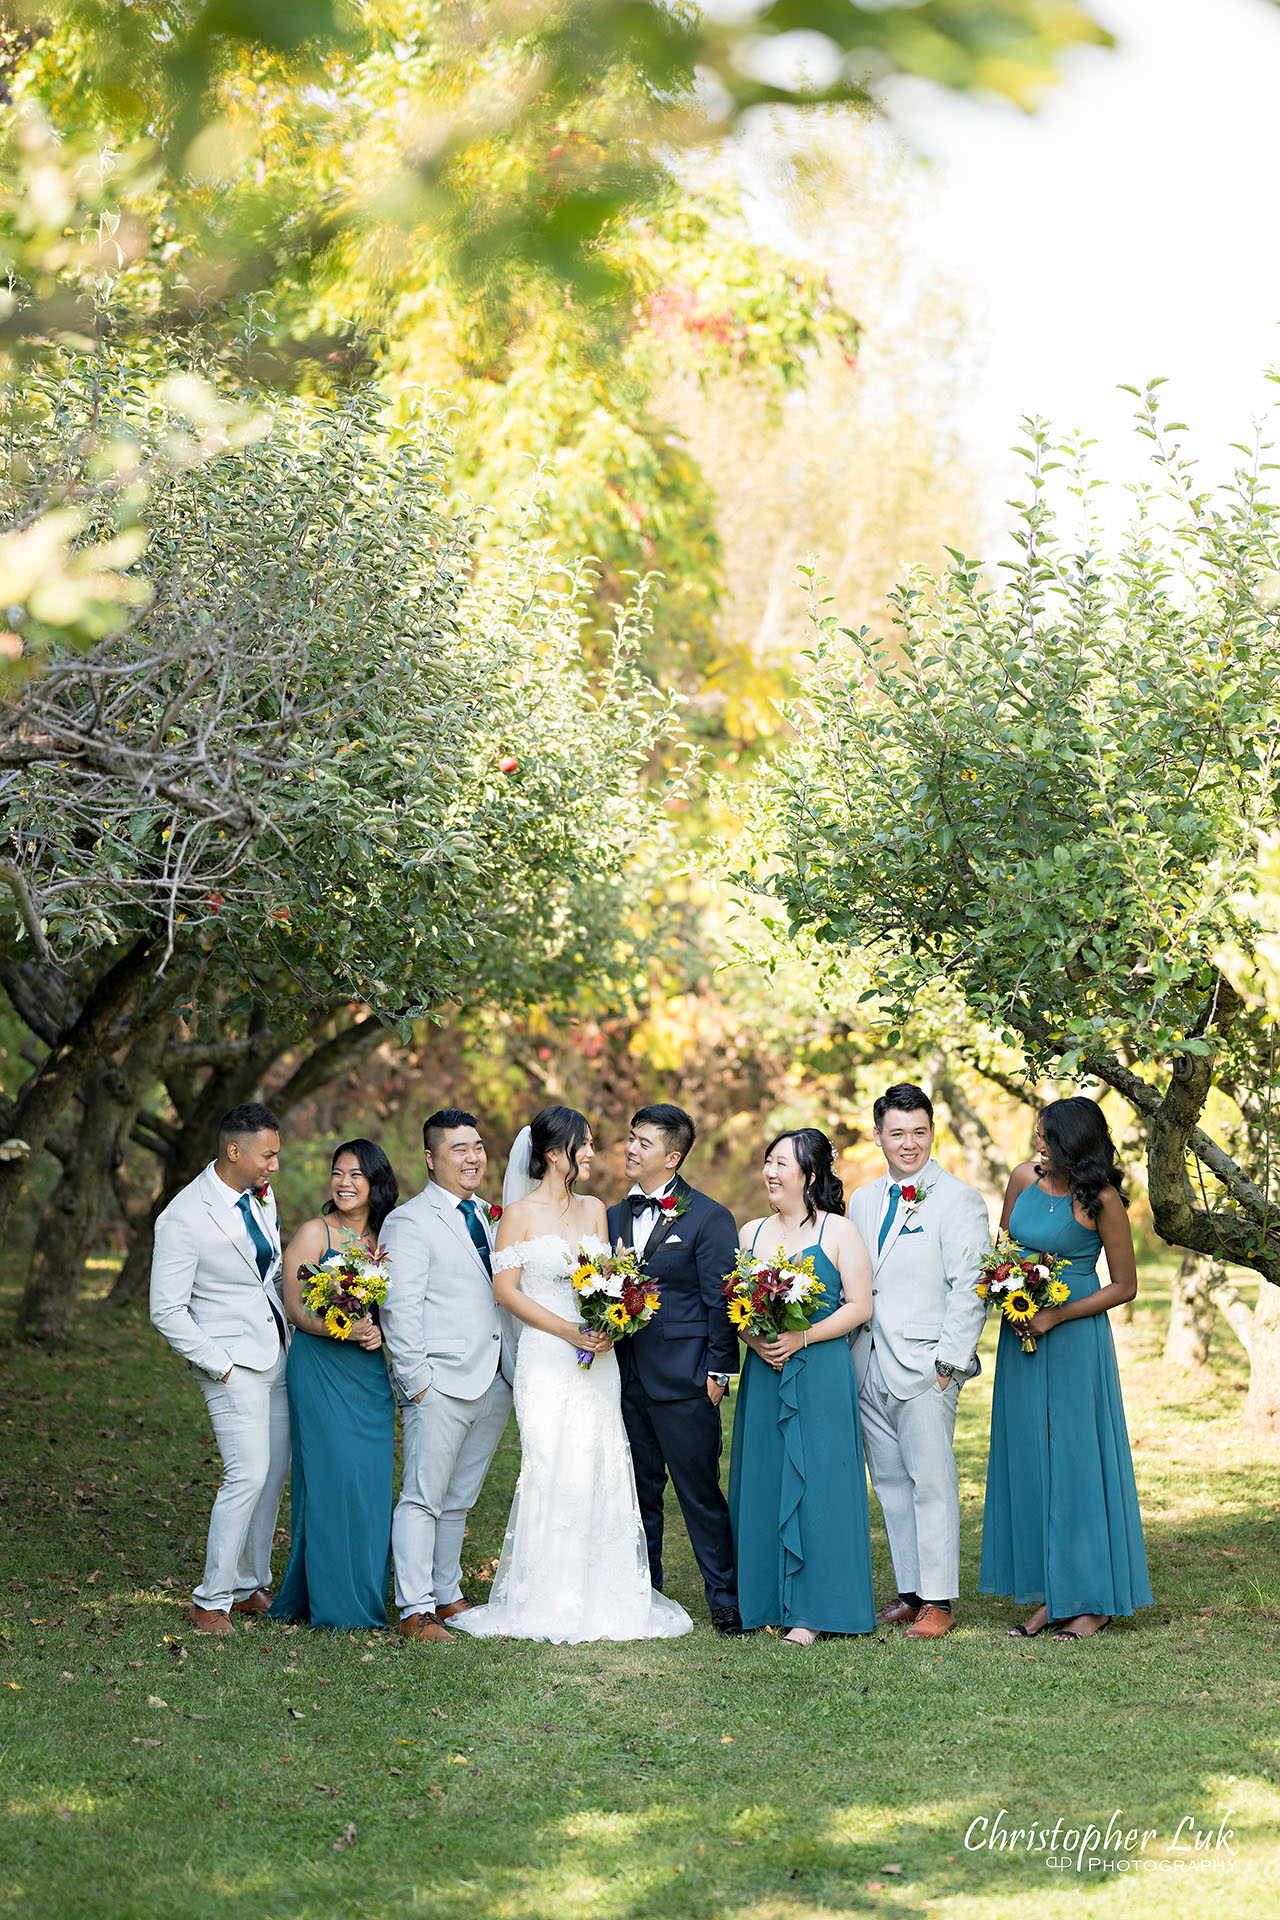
x=215, y=1296
x=926, y=1232
x=452, y=1361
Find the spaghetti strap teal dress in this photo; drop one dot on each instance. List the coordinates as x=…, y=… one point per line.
x=798, y=1486
x=342, y=1420
x=1061, y=1521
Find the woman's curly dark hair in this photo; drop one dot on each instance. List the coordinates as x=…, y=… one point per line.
x=815, y=1158
x=384, y=1188
x=1080, y=1148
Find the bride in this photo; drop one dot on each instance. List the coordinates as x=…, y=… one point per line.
x=574, y=1564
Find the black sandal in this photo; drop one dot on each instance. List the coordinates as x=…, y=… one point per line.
x=1065, y=1633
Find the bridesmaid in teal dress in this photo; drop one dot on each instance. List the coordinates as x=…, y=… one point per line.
x=1061, y=1524
x=342, y=1417
x=797, y=1483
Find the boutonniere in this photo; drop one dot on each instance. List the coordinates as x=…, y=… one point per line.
x=673, y=1205
x=492, y=1212
x=913, y=1198
x=263, y=1193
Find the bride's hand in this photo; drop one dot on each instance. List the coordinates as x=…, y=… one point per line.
x=586, y=1340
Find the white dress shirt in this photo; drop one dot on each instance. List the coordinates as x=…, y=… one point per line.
x=644, y=1223
x=269, y=1228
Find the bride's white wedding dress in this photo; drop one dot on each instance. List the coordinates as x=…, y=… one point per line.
x=574, y=1565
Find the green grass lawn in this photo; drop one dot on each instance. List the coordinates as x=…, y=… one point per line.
x=147, y=1772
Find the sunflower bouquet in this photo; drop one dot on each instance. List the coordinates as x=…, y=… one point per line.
x=345, y=1285
x=614, y=1295
x=1020, y=1283
x=771, y=1296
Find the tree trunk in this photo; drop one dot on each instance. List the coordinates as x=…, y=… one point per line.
x=1191, y=1313
x=1262, y=1408
x=72, y=1220
x=78, y=1049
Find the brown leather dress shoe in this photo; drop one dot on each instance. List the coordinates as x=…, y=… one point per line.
x=424, y=1626
x=452, y=1607
x=257, y=1602
x=211, y=1620
x=931, y=1623
x=896, y=1610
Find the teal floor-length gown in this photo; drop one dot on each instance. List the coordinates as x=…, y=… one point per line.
x=342, y=1420
x=1061, y=1522
x=798, y=1486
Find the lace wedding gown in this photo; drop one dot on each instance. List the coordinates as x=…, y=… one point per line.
x=574, y=1564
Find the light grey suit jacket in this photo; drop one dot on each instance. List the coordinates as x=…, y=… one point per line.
x=442, y=1325
x=923, y=1304
x=207, y=1297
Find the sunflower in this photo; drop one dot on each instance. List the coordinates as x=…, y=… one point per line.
x=617, y=1313
x=1020, y=1305
x=338, y=1323
x=981, y=1289
x=740, y=1312
x=651, y=1301
x=581, y=1275
x=1059, y=1291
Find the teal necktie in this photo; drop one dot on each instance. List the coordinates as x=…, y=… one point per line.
x=263, y=1253
x=895, y=1194
x=471, y=1214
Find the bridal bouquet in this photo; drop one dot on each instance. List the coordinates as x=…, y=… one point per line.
x=614, y=1297
x=771, y=1296
x=343, y=1286
x=1020, y=1283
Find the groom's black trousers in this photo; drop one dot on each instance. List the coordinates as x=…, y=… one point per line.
x=682, y=1438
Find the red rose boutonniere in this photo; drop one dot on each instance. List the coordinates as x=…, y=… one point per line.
x=493, y=1213
x=672, y=1205
x=263, y=1193
x=913, y=1198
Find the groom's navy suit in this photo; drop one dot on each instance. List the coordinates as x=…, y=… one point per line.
x=671, y=1424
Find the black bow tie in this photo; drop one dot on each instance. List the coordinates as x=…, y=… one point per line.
x=640, y=1203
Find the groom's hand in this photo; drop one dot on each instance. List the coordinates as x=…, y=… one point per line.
x=715, y=1392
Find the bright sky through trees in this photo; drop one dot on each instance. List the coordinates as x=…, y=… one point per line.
x=1124, y=231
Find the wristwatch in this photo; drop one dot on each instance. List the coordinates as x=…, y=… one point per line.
x=719, y=1379
x=942, y=1367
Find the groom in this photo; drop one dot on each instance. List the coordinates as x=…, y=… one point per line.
x=926, y=1232
x=452, y=1361
x=675, y=1370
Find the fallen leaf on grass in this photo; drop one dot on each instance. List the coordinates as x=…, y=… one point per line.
x=296, y=1713
x=726, y=1739
x=348, y=1837
x=875, y=1886
x=15, y=1684
x=154, y=1700
x=397, y=1771
x=435, y=1790
x=893, y=1869
x=334, y=1793
x=146, y=1743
